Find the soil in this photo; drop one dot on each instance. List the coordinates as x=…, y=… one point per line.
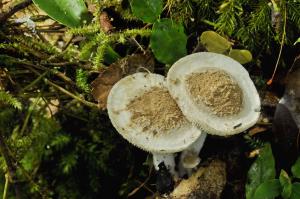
x=155, y=110
x=217, y=90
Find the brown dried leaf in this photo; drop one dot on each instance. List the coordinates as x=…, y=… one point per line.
x=103, y=84
x=270, y=99
x=207, y=182
x=105, y=23
x=130, y=64
x=256, y=130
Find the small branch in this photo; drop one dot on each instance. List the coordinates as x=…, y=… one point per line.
x=13, y=10
x=10, y=166
x=4, y=196
x=87, y=103
x=281, y=47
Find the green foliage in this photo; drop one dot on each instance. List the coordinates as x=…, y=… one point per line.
x=168, y=41
x=262, y=182
x=182, y=10
x=295, y=190
x=240, y=55
x=68, y=12
x=67, y=150
x=7, y=98
x=146, y=10
x=296, y=169
x=268, y=190
x=297, y=41
x=81, y=80
x=286, y=184
x=38, y=45
x=230, y=13
x=213, y=42
x=262, y=170
x=256, y=25
x=292, y=8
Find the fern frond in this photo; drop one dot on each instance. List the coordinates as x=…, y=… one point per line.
x=81, y=80
x=293, y=14
x=204, y=9
x=230, y=13
x=99, y=56
x=135, y=32
x=10, y=100
x=35, y=44
x=85, y=30
x=258, y=25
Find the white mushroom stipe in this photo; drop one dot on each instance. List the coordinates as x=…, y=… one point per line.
x=189, y=158
x=167, y=159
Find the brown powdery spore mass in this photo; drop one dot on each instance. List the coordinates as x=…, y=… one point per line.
x=217, y=90
x=155, y=111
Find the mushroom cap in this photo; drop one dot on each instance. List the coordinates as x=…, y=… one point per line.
x=127, y=89
x=202, y=117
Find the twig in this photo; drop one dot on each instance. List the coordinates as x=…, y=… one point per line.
x=281, y=47
x=143, y=184
x=13, y=10
x=10, y=166
x=138, y=44
x=89, y=104
x=5, y=186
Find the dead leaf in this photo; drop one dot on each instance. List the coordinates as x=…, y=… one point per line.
x=256, y=130
x=269, y=99
x=105, y=23
x=130, y=64
x=207, y=182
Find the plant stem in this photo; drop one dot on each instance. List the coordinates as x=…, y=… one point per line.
x=5, y=186
x=89, y=104
x=10, y=166
x=281, y=47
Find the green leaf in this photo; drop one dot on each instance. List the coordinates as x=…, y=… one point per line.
x=262, y=169
x=146, y=10
x=110, y=55
x=268, y=190
x=214, y=42
x=7, y=98
x=168, y=41
x=296, y=169
x=242, y=56
x=295, y=190
x=72, y=13
x=286, y=183
x=297, y=41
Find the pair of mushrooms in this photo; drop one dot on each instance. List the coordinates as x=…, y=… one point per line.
x=204, y=93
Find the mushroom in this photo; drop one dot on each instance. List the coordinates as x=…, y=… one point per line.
x=143, y=112
x=214, y=92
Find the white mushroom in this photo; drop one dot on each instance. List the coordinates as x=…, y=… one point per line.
x=214, y=92
x=143, y=112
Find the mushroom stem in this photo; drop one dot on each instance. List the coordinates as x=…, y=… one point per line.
x=189, y=158
x=167, y=159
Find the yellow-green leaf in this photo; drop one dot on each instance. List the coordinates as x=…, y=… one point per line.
x=214, y=42
x=242, y=56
